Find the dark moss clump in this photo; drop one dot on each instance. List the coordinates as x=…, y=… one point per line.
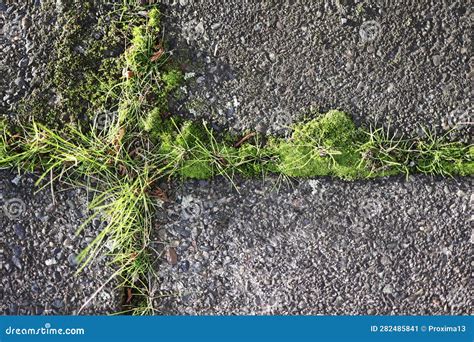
x=84, y=51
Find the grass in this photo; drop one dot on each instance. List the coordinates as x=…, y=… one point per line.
x=124, y=176
x=383, y=153
x=145, y=145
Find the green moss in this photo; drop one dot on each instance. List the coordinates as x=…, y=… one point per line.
x=195, y=168
x=150, y=81
x=138, y=54
x=154, y=18
x=435, y=156
x=255, y=161
x=172, y=79
x=328, y=145
x=320, y=147
x=152, y=119
x=74, y=69
x=333, y=129
x=464, y=169
x=88, y=80
x=300, y=160
x=184, y=155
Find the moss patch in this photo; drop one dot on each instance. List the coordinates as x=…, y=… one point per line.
x=84, y=47
x=320, y=147
x=327, y=145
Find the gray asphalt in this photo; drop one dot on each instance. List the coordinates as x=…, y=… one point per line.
x=38, y=250
x=261, y=65
x=388, y=246
x=380, y=247
x=391, y=246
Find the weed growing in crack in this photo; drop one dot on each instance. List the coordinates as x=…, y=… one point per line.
x=124, y=173
x=383, y=153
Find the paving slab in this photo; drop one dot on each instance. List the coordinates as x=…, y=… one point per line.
x=38, y=250
x=391, y=246
x=262, y=65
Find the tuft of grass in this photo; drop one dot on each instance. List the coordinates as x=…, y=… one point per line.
x=124, y=174
x=383, y=153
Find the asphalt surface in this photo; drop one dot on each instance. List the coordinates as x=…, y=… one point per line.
x=29, y=29
x=380, y=247
x=388, y=246
x=38, y=250
x=391, y=246
x=261, y=65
